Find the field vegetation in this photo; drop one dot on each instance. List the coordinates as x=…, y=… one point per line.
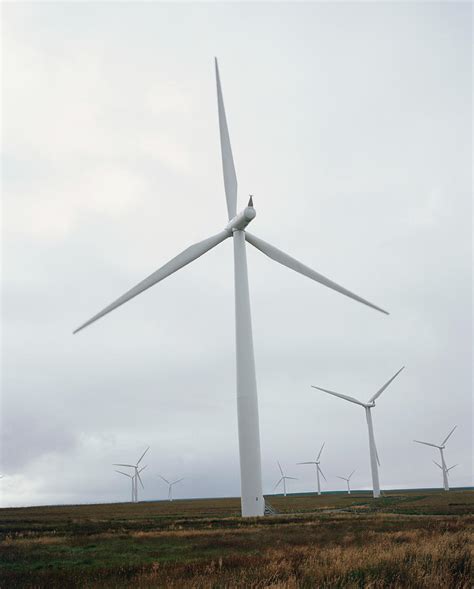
x=420, y=539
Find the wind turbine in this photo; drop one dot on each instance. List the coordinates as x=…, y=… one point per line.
x=318, y=468
x=170, y=486
x=136, y=476
x=347, y=479
x=252, y=500
x=441, y=448
x=374, y=457
x=283, y=479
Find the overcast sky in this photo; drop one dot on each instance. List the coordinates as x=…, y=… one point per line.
x=350, y=124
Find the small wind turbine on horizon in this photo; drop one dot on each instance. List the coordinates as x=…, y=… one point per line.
x=132, y=478
x=441, y=448
x=283, y=480
x=252, y=500
x=170, y=486
x=347, y=479
x=136, y=476
x=374, y=457
x=318, y=468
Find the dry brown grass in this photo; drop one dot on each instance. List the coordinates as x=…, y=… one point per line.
x=333, y=542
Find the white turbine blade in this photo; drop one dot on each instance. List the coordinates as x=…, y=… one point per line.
x=281, y=470
x=426, y=443
x=286, y=260
x=451, y=467
x=143, y=468
x=178, y=481
x=230, y=178
x=129, y=465
x=321, y=473
x=380, y=391
x=320, y=451
x=291, y=478
x=346, y=397
x=140, y=459
x=185, y=257
x=439, y=465
x=348, y=478
x=124, y=474
x=140, y=479
x=163, y=478
x=342, y=478
x=277, y=483
x=376, y=453
x=306, y=463
x=448, y=436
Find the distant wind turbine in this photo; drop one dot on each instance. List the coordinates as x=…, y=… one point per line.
x=253, y=503
x=136, y=476
x=133, y=479
x=170, y=486
x=347, y=479
x=283, y=479
x=441, y=448
x=374, y=457
x=318, y=468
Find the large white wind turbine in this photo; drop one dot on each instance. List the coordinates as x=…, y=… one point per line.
x=441, y=448
x=318, y=468
x=247, y=403
x=136, y=476
x=347, y=479
x=283, y=479
x=170, y=486
x=374, y=457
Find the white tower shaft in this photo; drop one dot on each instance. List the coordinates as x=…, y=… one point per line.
x=445, y=471
x=373, y=454
x=319, y=482
x=252, y=500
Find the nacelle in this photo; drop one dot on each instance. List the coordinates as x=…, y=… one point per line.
x=241, y=220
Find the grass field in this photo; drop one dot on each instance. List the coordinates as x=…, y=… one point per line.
x=420, y=539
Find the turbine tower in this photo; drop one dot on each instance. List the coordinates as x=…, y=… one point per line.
x=347, y=479
x=441, y=448
x=374, y=457
x=283, y=479
x=136, y=476
x=252, y=500
x=170, y=486
x=318, y=468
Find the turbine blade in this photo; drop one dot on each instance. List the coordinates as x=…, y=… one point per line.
x=163, y=478
x=140, y=459
x=124, y=474
x=321, y=473
x=346, y=397
x=349, y=477
x=143, y=468
x=451, y=467
x=342, y=478
x=320, y=451
x=306, y=463
x=426, y=443
x=277, y=483
x=281, y=470
x=380, y=391
x=286, y=260
x=140, y=479
x=291, y=478
x=178, y=481
x=230, y=178
x=129, y=465
x=448, y=436
x=439, y=465
x=185, y=257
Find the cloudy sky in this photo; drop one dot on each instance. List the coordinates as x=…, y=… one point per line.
x=350, y=124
